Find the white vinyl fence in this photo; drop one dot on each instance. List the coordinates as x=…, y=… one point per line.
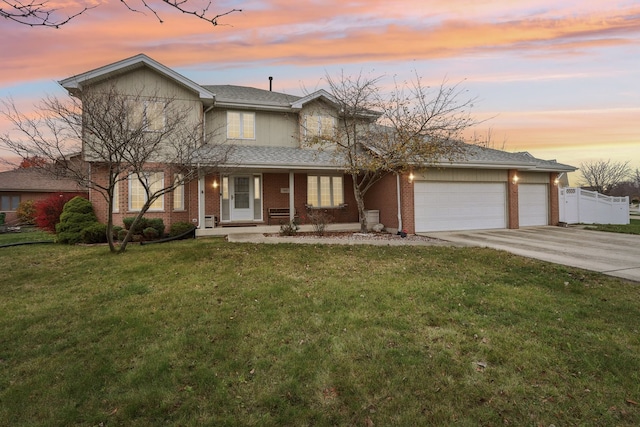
x=578, y=206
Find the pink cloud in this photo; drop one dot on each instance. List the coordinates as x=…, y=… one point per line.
x=319, y=33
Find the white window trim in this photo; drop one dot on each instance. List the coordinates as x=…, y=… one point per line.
x=316, y=131
x=242, y=114
x=333, y=204
x=145, y=117
x=160, y=200
x=115, y=207
x=179, y=193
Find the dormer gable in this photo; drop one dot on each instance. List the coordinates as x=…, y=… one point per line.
x=75, y=84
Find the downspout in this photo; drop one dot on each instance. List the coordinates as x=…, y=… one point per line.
x=200, y=198
x=399, y=201
x=201, y=178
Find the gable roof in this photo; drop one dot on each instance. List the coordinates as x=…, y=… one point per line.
x=32, y=180
x=250, y=97
x=319, y=94
x=75, y=83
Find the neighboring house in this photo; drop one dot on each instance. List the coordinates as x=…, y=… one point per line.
x=19, y=185
x=269, y=168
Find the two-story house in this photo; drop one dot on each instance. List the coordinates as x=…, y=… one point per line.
x=269, y=169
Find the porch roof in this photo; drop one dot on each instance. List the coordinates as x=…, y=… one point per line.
x=265, y=157
x=296, y=158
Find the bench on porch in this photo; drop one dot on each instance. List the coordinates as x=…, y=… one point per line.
x=282, y=213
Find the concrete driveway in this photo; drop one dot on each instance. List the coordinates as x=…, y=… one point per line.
x=613, y=254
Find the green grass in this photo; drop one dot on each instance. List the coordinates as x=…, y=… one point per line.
x=632, y=228
x=205, y=332
x=26, y=234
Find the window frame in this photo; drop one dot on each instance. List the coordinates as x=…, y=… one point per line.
x=11, y=198
x=242, y=126
x=139, y=116
x=318, y=129
x=133, y=180
x=178, y=193
x=335, y=200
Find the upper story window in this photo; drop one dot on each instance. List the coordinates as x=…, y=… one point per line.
x=138, y=195
x=241, y=125
x=147, y=115
x=319, y=126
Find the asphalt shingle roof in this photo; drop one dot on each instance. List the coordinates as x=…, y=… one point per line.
x=32, y=180
x=250, y=156
x=250, y=96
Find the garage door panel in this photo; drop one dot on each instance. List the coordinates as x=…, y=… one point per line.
x=459, y=206
x=533, y=204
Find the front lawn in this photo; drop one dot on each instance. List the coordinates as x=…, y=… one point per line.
x=26, y=234
x=632, y=228
x=206, y=332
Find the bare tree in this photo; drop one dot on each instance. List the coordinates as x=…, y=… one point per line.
x=603, y=175
x=487, y=140
x=120, y=137
x=378, y=134
x=44, y=14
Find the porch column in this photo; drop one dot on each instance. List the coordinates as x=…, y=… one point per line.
x=292, y=207
x=201, y=198
x=512, y=185
x=554, y=205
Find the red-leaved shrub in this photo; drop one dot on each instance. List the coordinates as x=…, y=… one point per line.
x=48, y=211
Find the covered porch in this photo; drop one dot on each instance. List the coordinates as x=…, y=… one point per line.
x=258, y=188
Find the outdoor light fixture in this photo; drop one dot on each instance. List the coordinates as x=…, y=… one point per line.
x=215, y=184
x=411, y=177
x=515, y=179
x=556, y=181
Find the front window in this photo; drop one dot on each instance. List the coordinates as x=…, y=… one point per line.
x=319, y=126
x=138, y=195
x=241, y=125
x=116, y=197
x=9, y=203
x=325, y=191
x=178, y=193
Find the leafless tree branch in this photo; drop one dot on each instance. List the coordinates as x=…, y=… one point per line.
x=40, y=13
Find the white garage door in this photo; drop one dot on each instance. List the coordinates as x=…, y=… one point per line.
x=533, y=204
x=443, y=206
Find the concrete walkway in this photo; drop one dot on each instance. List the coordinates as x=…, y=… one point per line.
x=613, y=254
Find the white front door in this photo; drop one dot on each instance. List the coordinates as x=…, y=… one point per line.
x=241, y=194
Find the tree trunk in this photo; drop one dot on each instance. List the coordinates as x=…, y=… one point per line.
x=360, y=202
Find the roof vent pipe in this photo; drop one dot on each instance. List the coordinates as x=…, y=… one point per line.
x=270, y=83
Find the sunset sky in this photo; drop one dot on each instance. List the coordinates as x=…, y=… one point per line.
x=558, y=79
